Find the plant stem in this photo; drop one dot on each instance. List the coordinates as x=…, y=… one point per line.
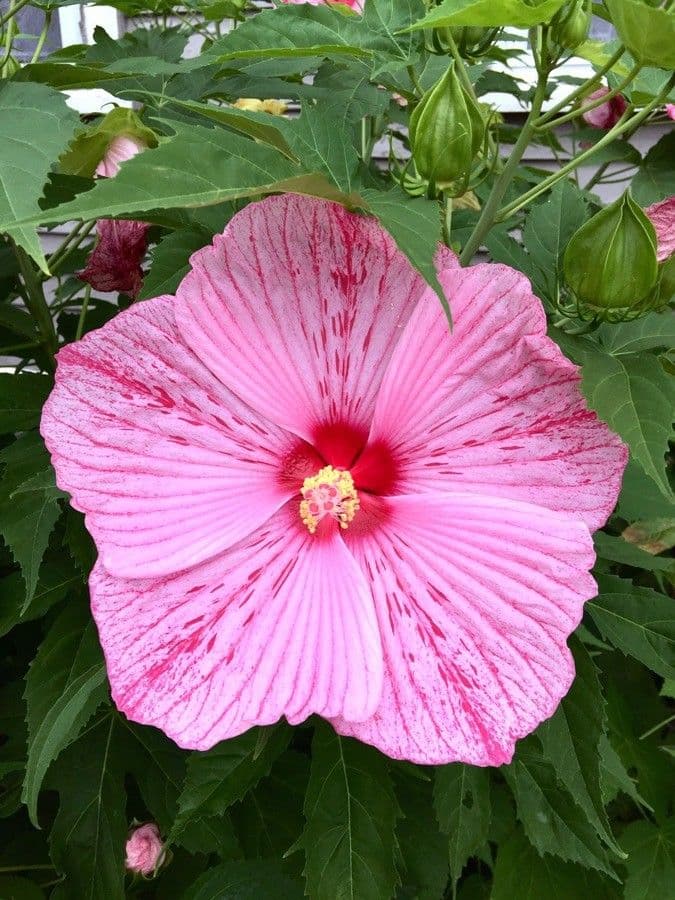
x=13, y=10
x=83, y=312
x=459, y=64
x=624, y=125
x=26, y=868
x=37, y=304
x=585, y=87
x=447, y=219
x=412, y=74
x=71, y=243
x=546, y=122
x=489, y=212
x=43, y=37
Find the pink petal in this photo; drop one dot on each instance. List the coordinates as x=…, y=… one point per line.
x=475, y=598
x=296, y=308
x=662, y=216
x=121, y=148
x=115, y=261
x=169, y=467
x=606, y=115
x=493, y=407
x=282, y=624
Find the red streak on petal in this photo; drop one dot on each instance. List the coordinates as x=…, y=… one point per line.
x=373, y=513
x=302, y=462
x=375, y=470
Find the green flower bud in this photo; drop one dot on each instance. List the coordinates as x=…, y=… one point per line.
x=610, y=262
x=571, y=24
x=446, y=131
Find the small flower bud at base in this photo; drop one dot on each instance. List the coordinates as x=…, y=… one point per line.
x=144, y=850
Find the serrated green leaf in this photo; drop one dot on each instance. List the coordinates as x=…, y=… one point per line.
x=171, y=261
x=351, y=811
x=522, y=873
x=651, y=860
x=158, y=767
x=614, y=777
x=652, y=537
x=651, y=332
x=522, y=13
x=656, y=179
x=637, y=620
x=56, y=579
x=553, y=822
x=618, y=550
x=250, y=880
x=29, y=515
x=89, y=832
x=423, y=849
x=462, y=803
x=570, y=742
x=64, y=686
x=21, y=400
x=36, y=126
x=219, y=777
x=640, y=498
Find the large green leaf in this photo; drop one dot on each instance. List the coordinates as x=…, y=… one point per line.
x=648, y=32
x=351, y=813
x=652, y=332
x=158, y=766
x=637, y=620
x=618, y=550
x=21, y=400
x=250, y=880
x=523, y=13
x=656, y=178
x=36, y=126
x=423, y=848
x=171, y=261
x=30, y=503
x=522, y=873
x=462, y=802
x=219, y=777
x=88, y=835
x=570, y=741
x=553, y=821
x=64, y=686
x=651, y=860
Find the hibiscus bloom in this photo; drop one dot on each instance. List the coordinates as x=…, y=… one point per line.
x=309, y=496
x=662, y=216
x=607, y=114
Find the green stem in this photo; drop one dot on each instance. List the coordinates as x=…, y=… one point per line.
x=12, y=11
x=83, y=312
x=459, y=64
x=45, y=867
x=545, y=122
x=9, y=351
x=43, y=37
x=658, y=727
x=412, y=75
x=586, y=86
x=624, y=125
x=447, y=219
x=37, y=303
x=489, y=212
x=71, y=243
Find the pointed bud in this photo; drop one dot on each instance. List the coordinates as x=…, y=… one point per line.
x=115, y=261
x=446, y=131
x=610, y=262
x=569, y=27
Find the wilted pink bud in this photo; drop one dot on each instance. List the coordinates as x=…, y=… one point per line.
x=121, y=148
x=607, y=114
x=115, y=262
x=670, y=110
x=662, y=216
x=145, y=850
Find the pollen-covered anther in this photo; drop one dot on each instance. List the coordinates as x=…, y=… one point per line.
x=330, y=492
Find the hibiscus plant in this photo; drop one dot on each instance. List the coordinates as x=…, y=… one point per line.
x=335, y=398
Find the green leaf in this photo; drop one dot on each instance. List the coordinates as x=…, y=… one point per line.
x=89, y=832
x=570, y=742
x=21, y=400
x=158, y=766
x=30, y=509
x=14, y=888
x=648, y=32
x=171, y=261
x=522, y=873
x=462, y=802
x=258, y=880
x=651, y=332
x=522, y=13
x=614, y=777
x=219, y=777
x=547, y=231
x=651, y=860
x=553, y=822
x=424, y=850
x=618, y=550
x=653, y=536
x=64, y=686
x=640, y=498
x=36, y=125
x=56, y=579
x=415, y=226
x=351, y=812
x=637, y=620
x=656, y=179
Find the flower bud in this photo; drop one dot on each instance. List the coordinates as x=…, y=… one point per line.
x=606, y=115
x=144, y=850
x=447, y=130
x=610, y=262
x=570, y=25
x=670, y=110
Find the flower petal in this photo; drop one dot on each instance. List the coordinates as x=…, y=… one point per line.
x=282, y=624
x=169, y=467
x=475, y=597
x=493, y=406
x=296, y=308
x=662, y=216
x=115, y=261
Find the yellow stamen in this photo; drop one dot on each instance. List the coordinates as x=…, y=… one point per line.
x=330, y=492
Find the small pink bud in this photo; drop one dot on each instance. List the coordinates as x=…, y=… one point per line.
x=121, y=148
x=145, y=850
x=607, y=114
x=670, y=110
x=115, y=261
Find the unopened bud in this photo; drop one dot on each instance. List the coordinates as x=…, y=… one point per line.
x=144, y=850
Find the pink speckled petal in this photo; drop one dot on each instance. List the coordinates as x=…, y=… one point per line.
x=475, y=598
x=662, y=216
x=169, y=466
x=119, y=150
x=282, y=624
x=493, y=407
x=297, y=308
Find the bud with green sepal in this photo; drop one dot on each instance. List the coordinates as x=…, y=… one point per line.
x=89, y=147
x=447, y=131
x=470, y=41
x=570, y=25
x=610, y=263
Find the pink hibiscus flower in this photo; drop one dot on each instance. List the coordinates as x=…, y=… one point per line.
x=355, y=4
x=144, y=849
x=662, y=216
x=607, y=114
x=309, y=496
